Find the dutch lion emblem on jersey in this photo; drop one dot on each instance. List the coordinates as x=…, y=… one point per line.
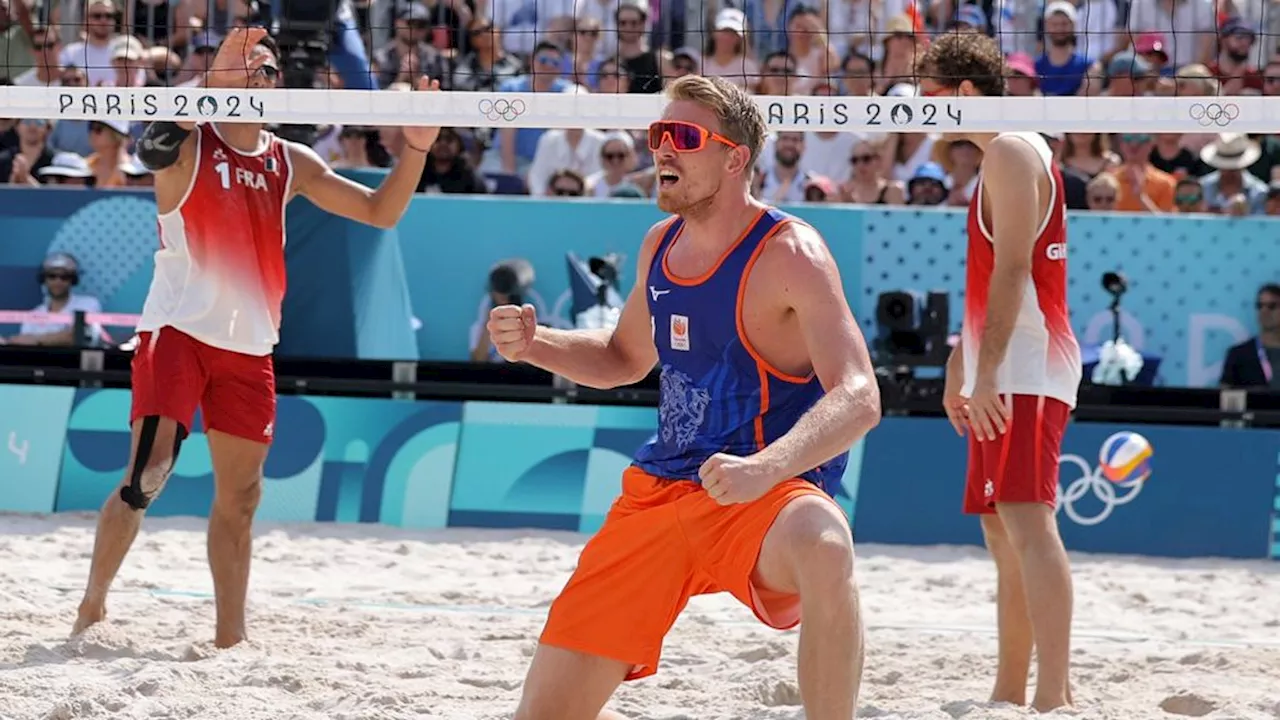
x=683, y=408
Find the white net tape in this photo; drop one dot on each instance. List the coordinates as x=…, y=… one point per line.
x=1248, y=114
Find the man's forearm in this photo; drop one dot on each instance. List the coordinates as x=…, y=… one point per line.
x=837, y=421
x=1004, y=298
x=392, y=197
x=585, y=357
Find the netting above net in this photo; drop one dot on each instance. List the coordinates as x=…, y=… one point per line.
x=840, y=65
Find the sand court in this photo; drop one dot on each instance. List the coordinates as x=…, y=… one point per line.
x=360, y=622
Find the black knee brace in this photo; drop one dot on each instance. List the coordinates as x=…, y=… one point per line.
x=133, y=494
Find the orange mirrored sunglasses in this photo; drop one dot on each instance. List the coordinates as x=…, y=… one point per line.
x=683, y=136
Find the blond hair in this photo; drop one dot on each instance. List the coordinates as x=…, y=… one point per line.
x=740, y=118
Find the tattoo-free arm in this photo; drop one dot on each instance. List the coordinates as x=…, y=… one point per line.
x=851, y=408
x=1011, y=174
x=316, y=181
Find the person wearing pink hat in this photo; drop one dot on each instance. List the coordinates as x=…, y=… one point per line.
x=1022, y=80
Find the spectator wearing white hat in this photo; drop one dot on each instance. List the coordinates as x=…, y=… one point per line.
x=67, y=169
x=1230, y=188
x=729, y=56
x=1062, y=66
x=136, y=174
x=617, y=161
x=130, y=62
x=109, y=139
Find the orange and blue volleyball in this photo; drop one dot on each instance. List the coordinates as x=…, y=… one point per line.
x=1125, y=458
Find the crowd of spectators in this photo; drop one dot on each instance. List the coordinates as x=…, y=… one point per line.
x=774, y=47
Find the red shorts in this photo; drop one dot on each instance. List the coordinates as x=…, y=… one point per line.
x=662, y=543
x=173, y=374
x=1020, y=466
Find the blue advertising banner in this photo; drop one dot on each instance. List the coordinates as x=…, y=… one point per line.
x=426, y=464
x=333, y=459
x=1210, y=493
x=416, y=291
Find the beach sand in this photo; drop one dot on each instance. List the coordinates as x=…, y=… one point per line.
x=374, y=623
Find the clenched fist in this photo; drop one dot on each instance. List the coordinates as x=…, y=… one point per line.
x=511, y=330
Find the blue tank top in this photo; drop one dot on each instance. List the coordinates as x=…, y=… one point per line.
x=717, y=394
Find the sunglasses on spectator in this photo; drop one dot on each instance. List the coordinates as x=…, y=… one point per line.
x=1187, y=199
x=860, y=159
x=1135, y=138
x=683, y=136
x=778, y=69
x=47, y=45
x=614, y=156
x=1269, y=305
x=66, y=277
x=1102, y=199
x=549, y=60
x=566, y=192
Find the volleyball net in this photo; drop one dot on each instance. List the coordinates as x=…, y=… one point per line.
x=823, y=65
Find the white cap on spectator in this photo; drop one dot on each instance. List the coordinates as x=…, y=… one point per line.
x=732, y=19
x=120, y=126
x=66, y=164
x=127, y=48
x=902, y=90
x=133, y=167
x=622, y=137
x=415, y=11
x=1065, y=7
x=688, y=52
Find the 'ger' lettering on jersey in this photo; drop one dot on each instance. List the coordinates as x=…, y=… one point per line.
x=718, y=394
x=1043, y=356
x=220, y=274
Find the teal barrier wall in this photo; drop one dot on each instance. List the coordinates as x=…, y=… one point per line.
x=413, y=464
x=415, y=291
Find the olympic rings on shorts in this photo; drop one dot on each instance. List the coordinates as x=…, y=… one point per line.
x=1208, y=114
x=502, y=109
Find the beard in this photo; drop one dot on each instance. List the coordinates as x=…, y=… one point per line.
x=683, y=203
x=1062, y=41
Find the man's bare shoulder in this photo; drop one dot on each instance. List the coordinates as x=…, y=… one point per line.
x=1013, y=154
x=796, y=254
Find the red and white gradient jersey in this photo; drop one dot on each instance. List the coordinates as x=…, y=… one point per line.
x=1043, y=356
x=220, y=273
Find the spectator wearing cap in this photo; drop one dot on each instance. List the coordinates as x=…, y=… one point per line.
x=1151, y=47
x=1062, y=67
x=1128, y=75
x=820, y=189
x=928, y=186
x=574, y=149
x=136, y=174
x=1234, y=66
x=1021, y=81
x=200, y=53
x=1192, y=23
x=1230, y=155
x=816, y=61
x=130, y=62
x=684, y=61
x=109, y=139
x=409, y=41
x=94, y=53
x=449, y=169
x=617, y=161
x=642, y=62
x=21, y=165
x=59, y=274
x=67, y=169
x=728, y=55
x=46, y=71
x=900, y=48
x=1142, y=187
x=513, y=151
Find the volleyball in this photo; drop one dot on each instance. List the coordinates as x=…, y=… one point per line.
x=1125, y=458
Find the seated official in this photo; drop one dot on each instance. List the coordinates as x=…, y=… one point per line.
x=59, y=274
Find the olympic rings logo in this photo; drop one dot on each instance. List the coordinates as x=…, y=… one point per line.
x=1221, y=115
x=1092, y=482
x=502, y=109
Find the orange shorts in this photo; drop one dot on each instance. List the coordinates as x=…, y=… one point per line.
x=662, y=543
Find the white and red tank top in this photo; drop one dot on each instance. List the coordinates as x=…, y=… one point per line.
x=219, y=272
x=1043, y=357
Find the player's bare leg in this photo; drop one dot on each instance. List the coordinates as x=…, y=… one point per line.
x=1046, y=573
x=809, y=550
x=237, y=472
x=569, y=685
x=1013, y=620
x=118, y=521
